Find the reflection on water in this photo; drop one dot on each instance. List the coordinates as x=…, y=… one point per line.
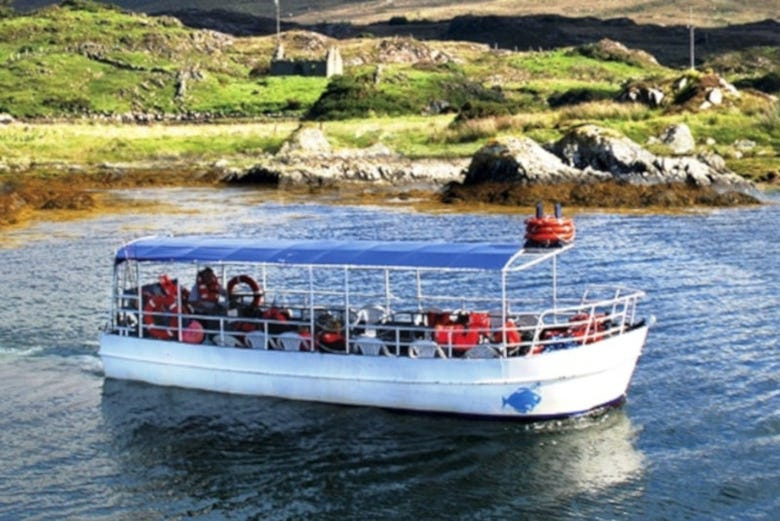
x=281, y=459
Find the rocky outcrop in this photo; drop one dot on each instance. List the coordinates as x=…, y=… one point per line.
x=691, y=91
x=610, y=50
x=585, y=155
x=333, y=171
x=590, y=153
x=308, y=159
x=409, y=50
x=521, y=160
x=606, y=151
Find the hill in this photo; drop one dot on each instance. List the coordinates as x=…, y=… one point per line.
x=86, y=61
x=703, y=13
x=656, y=27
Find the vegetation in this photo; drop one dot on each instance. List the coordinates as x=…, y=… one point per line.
x=82, y=75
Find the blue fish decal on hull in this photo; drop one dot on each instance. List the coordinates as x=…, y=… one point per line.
x=523, y=400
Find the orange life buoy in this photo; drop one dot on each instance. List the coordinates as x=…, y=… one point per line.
x=257, y=293
x=549, y=230
x=161, y=327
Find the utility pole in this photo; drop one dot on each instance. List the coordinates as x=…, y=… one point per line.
x=279, y=52
x=691, y=39
x=278, y=24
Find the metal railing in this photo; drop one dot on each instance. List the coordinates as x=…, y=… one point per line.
x=602, y=312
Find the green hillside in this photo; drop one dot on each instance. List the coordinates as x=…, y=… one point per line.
x=83, y=61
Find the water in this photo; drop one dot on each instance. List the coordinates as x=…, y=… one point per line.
x=699, y=437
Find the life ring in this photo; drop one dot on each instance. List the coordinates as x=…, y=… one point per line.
x=161, y=327
x=549, y=231
x=257, y=293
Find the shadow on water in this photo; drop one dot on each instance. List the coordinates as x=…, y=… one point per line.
x=275, y=459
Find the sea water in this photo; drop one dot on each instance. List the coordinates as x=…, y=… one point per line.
x=699, y=437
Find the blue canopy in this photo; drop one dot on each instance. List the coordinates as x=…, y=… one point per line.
x=402, y=254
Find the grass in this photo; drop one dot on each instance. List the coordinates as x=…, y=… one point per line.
x=94, y=143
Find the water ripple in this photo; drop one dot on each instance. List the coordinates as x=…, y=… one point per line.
x=701, y=411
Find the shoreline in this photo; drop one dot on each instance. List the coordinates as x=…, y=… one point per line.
x=32, y=199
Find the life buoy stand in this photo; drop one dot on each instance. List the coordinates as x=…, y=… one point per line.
x=548, y=231
x=161, y=327
x=257, y=292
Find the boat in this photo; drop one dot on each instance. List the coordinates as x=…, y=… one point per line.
x=463, y=328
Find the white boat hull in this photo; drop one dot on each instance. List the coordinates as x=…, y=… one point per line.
x=554, y=384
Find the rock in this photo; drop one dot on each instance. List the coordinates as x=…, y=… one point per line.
x=6, y=119
x=610, y=50
x=221, y=164
x=714, y=160
x=744, y=145
x=655, y=97
x=679, y=139
x=334, y=170
x=408, y=50
x=305, y=141
x=715, y=96
x=591, y=147
x=606, y=151
x=439, y=107
x=519, y=160
x=640, y=93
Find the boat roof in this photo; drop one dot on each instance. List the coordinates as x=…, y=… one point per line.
x=326, y=252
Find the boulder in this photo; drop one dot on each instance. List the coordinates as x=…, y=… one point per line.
x=305, y=141
x=655, y=97
x=679, y=139
x=520, y=160
x=714, y=96
x=602, y=150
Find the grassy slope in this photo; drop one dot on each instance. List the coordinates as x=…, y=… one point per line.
x=70, y=61
x=64, y=61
